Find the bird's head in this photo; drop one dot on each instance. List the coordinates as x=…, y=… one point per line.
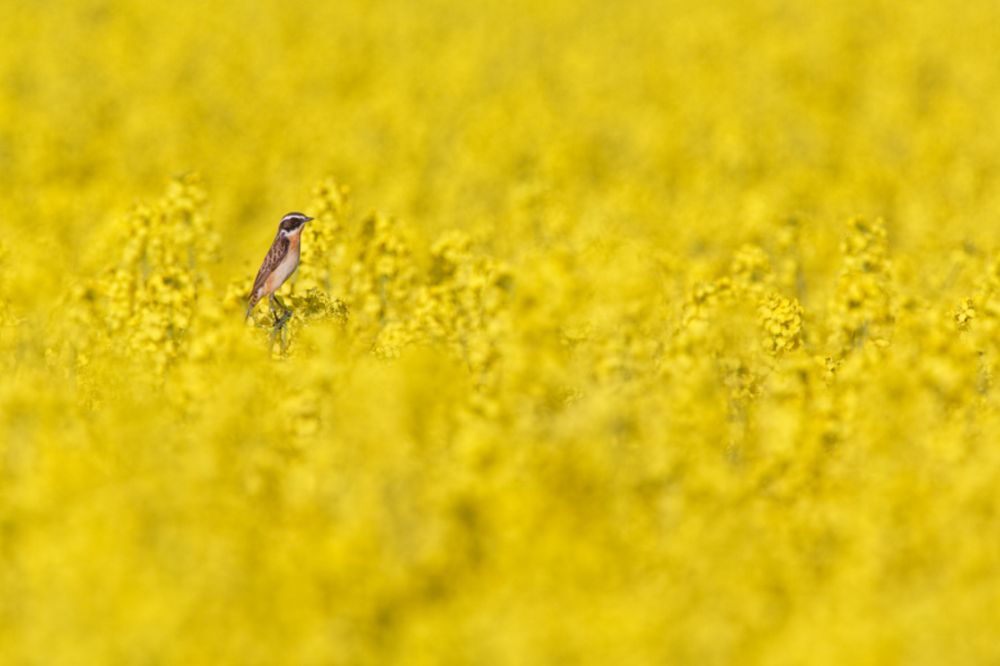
x=292, y=223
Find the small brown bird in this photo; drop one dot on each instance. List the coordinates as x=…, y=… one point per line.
x=281, y=261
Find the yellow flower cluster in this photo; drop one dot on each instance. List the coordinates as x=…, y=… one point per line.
x=649, y=333
x=863, y=305
x=463, y=304
x=146, y=297
x=781, y=318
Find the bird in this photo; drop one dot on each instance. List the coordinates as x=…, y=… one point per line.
x=279, y=263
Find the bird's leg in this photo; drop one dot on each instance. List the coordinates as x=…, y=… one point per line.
x=278, y=300
x=279, y=321
x=274, y=310
x=287, y=314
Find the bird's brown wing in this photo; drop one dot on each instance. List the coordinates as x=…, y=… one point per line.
x=279, y=248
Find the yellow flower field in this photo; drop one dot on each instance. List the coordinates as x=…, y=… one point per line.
x=626, y=333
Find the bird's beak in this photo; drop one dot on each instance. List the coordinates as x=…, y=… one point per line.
x=309, y=219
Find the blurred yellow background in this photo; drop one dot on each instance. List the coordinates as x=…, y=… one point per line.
x=654, y=333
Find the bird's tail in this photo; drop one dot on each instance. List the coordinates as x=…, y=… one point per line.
x=253, y=302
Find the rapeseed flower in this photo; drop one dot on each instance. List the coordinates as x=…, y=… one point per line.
x=611, y=342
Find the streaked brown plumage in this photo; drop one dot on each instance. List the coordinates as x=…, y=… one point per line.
x=279, y=263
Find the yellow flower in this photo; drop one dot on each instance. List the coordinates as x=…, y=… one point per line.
x=588, y=369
